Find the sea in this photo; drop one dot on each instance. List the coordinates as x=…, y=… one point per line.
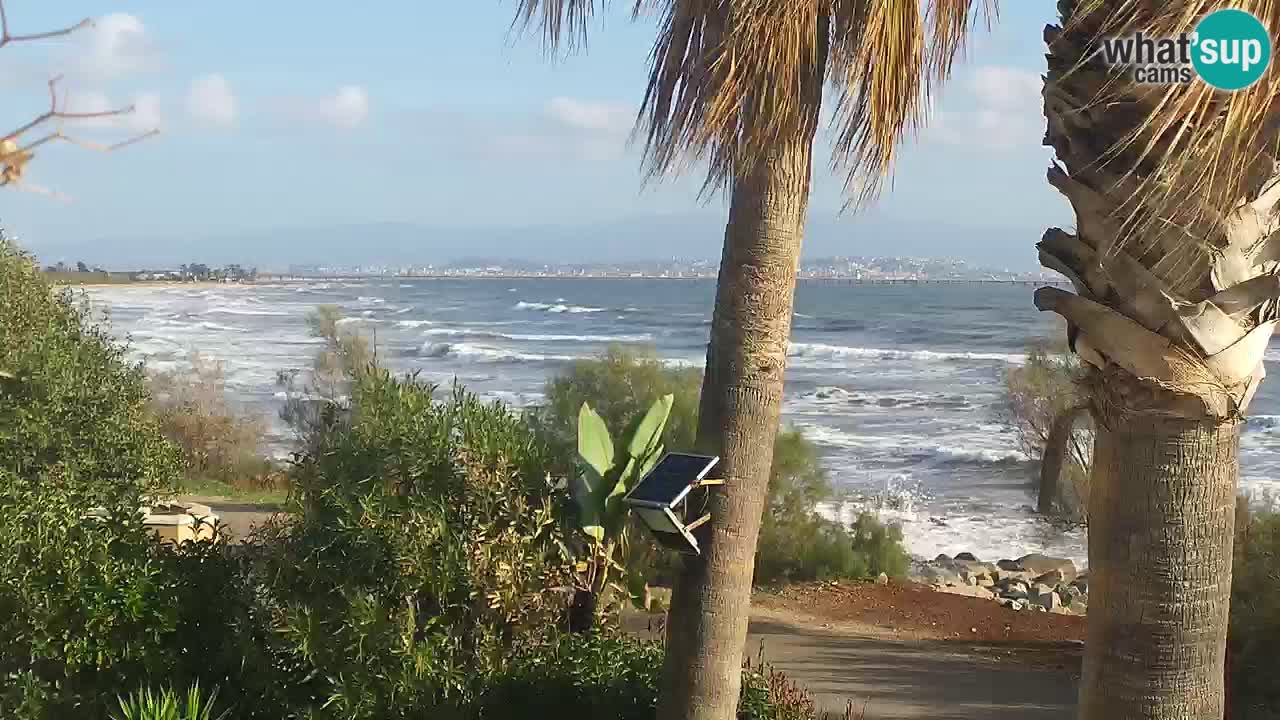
x=899, y=386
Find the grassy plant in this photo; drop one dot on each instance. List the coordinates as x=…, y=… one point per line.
x=169, y=705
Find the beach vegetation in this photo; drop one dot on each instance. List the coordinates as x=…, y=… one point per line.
x=622, y=382
x=223, y=446
x=1046, y=402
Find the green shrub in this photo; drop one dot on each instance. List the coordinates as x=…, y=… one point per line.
x=878, y=548
x=795, y=543
x=317, y=401
x=603, y=676
x=85, y=605
x=611, y=676
x=169, y=705
x=1255, y=616
x=71, y=400
x=1037, y=393
x=426, y=546
x=620, y=385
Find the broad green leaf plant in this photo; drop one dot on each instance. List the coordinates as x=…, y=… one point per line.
x=606, y=475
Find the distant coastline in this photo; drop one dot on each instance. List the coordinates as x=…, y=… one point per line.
x=124, y=279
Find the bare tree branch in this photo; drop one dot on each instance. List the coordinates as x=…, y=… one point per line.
x=6, y=37
x=13, y=156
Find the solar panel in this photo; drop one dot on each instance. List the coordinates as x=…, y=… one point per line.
x=671, y=479
x=680, y=542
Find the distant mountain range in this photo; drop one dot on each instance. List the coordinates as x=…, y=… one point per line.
x=691, y=236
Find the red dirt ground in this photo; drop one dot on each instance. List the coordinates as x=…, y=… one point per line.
x=918, y=612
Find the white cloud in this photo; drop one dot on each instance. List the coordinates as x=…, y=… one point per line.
x=211, y=101
x=1006, y=88
x=348, y=108
x=569, y=128
x=591, y=116
x=146, y=115
x=1007, y=111
x=116, y=45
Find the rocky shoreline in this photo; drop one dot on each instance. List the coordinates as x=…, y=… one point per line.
x=1032, y=582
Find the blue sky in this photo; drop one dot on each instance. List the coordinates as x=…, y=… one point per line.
x=297, y=115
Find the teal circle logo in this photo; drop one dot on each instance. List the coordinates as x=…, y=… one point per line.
x=1231, y=49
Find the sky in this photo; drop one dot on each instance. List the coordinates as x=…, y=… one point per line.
x=289, y=128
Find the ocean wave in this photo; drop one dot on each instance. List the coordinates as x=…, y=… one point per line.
x=402, y=310
x=821, y=351
x=373, y=299
x=1262, y=422
x=413, y=323
x=829, y=396
x=206, y=325
x=930, y=529
x=484, y=353
x=558, y=307
x=229, y=310
x=535, y=337
x=912, y=448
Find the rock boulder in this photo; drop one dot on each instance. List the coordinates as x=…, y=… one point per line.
x=1040, y=564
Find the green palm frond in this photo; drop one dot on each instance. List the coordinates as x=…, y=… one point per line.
x=731, y=80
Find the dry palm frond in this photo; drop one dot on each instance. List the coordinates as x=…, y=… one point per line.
x=733, y=81
x=1194, y=153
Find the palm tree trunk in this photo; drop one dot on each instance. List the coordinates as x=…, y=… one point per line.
x=738, y=420
x=1176, y=286
x=1162, y=516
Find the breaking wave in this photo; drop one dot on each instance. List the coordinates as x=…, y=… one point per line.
x=558, y=307
x=821, y=351
x=913, y=448
x=483, y=353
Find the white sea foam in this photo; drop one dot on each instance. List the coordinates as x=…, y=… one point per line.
x=413, y=323
x=841, y=400
x=485, y=353
x=231, y=310
x=915, y=447
x=372, y=299
x=558, y=307
x=821, y=351
x=929, y=530
x=536, y=337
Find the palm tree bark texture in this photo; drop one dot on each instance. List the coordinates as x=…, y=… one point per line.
x=738, y=420
x=1173, y=263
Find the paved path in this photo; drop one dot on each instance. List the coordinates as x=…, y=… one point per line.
x=896, y=679
x=915, y=679
x=891, y=679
